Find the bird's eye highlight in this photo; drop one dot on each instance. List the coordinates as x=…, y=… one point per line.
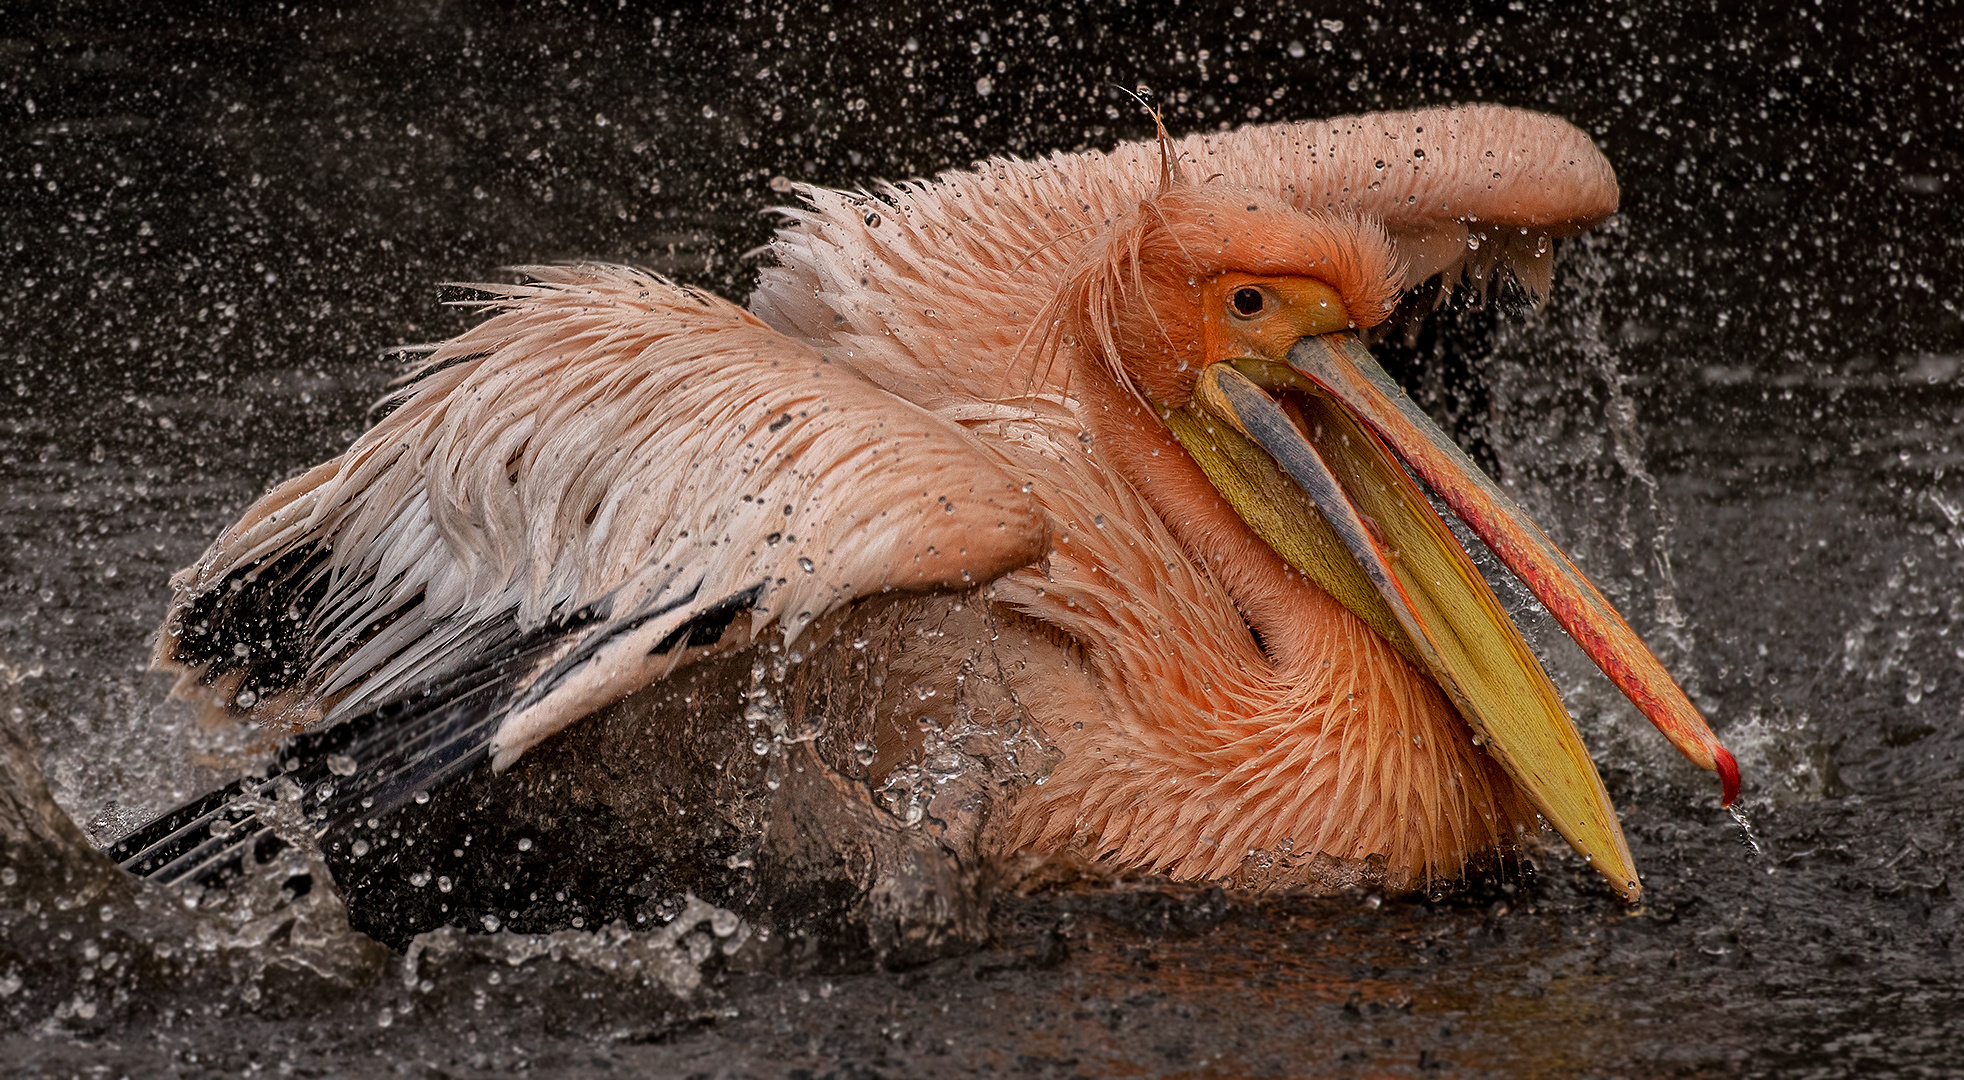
x=1248, y=302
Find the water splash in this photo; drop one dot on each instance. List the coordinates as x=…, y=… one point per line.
x=1748, y=837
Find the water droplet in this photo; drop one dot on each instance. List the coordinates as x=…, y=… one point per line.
x=443, y=884
x=1751, y=838
x=525, y=843
x=341, y=765
x=422, y=798
x=806, y=565
x=420, y=878
x=247, y=699
x=360, y=848
x=723, y=923
x=1297, y=50
x=761, y=747
x=491, y=923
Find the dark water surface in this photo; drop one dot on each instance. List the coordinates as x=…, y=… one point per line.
x=1742, y=410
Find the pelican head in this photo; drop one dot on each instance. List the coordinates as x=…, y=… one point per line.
x=1215, y=331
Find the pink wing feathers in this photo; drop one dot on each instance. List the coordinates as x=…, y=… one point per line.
x=613, y=471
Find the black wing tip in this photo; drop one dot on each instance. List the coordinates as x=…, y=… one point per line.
x=405, y=749
x=365, y=766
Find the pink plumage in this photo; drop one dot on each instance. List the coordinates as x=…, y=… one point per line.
x=939, y=386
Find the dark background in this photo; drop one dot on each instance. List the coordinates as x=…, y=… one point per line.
x=1741, y=409
x=227, y=192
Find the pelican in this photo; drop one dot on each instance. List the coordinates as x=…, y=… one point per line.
x=1106, y=419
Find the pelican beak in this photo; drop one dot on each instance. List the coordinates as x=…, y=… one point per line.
x=1307, y=447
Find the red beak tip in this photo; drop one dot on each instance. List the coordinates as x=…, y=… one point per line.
x=1728, y=770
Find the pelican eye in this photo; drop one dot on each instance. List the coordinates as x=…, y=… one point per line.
x=1248, y=302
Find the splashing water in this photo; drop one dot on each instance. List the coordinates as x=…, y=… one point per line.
x=1747, y=836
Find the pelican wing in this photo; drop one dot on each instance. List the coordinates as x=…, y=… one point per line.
x=606, y=477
